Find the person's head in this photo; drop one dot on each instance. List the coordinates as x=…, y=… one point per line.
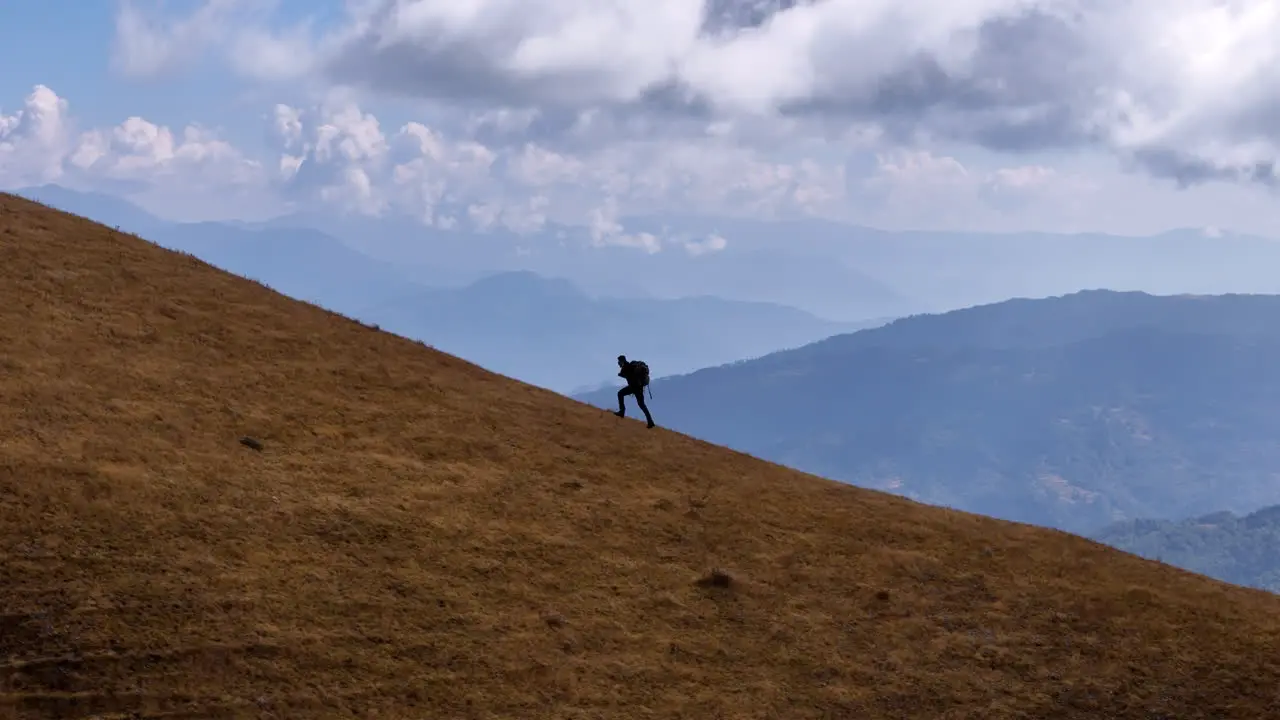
x=622, y=360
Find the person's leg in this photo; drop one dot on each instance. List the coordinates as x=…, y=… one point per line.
x=640, y=401
x=622, y=405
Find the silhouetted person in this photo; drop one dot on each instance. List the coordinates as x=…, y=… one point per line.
x=636, y=373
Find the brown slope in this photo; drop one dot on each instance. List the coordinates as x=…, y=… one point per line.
x=420, y=538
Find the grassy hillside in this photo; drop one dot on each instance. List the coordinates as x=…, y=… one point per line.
x=1071, y=412
x=419, y=538
x=1240, y=549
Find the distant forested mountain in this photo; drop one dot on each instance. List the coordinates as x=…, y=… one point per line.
x=1073, y=412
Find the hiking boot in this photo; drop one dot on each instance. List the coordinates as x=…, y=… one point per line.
x=650, y=424
x=619, y=413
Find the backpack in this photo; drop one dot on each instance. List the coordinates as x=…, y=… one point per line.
x=640, y=371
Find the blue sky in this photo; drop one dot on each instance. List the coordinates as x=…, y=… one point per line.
x=61, y=42
x=66, y=44
x=951, y=114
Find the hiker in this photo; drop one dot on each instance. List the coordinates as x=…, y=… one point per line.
x=636, y=373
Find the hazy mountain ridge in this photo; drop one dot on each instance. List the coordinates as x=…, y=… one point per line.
x=300, y=262
x=541, y=330
x=1122, y=412
x=775, y=272
x=1062, y=320
x=840, y=271
x=548, y=332
x=936, y=271
x=1244, y=550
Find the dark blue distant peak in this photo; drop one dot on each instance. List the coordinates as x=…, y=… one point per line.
x=525, y=283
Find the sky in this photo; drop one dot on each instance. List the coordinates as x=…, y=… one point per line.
x=1123, y=116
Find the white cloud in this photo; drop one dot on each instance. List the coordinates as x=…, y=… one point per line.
x=709, y=244
x=341, y=153
x=929, y=190
x=605, y=230
x=492, y=170
x=922, y=169
x=147, y=45
x=1024, y=177
x=536, y=166
x=140, y=151
x=34, y=139
x=1179, y=88
x=288, y=126
x=39, y=144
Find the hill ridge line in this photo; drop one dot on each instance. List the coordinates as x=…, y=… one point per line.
x=418, y=537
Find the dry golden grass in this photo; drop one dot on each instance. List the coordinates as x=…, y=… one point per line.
x=419, y=538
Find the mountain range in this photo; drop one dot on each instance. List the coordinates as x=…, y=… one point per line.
x=1240, y=549
x=937, y=271
x=834, y=270
x=550, y=333
x=218, y=501
x=1072, y=412
x=831, y=269
x=538, y=329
